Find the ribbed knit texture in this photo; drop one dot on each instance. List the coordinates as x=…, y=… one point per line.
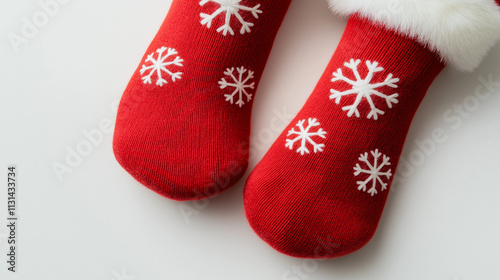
x=185, y=139
x=309, y=203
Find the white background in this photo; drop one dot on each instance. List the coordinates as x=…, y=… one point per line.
x=441, y=222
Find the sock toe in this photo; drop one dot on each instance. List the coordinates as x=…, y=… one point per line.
x=172, y=173
x=300, y=225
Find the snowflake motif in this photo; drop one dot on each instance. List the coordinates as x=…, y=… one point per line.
x=230, y=8
x=159, y=65
x=239, y=84
x=375, y=172
x=304, y=135
x=364, y=89
x=121, y=276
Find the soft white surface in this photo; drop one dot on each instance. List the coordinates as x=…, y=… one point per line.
x=442, y=222
x=462, y=32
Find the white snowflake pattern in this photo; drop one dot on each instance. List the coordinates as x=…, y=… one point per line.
x=374, y=170
x=240, y=85
x=121, y=276
x=159, y=65
x=364, y=89
x=305, y=136
x=230, y=8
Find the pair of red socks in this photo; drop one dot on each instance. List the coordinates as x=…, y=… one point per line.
x=184, y=119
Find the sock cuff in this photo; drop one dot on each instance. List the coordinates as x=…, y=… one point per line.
x=460, y=31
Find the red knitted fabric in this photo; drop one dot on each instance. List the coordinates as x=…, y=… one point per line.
x=320, y=190
x=183, y=123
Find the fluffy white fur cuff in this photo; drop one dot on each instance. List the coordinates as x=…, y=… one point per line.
x=460, y=31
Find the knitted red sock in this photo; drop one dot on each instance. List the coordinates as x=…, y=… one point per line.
x=183, y=123
x=320, y=190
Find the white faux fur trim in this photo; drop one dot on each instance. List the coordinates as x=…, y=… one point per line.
x=460, y=31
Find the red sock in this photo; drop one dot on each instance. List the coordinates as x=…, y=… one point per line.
x=183, y=123
x=320, y=190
